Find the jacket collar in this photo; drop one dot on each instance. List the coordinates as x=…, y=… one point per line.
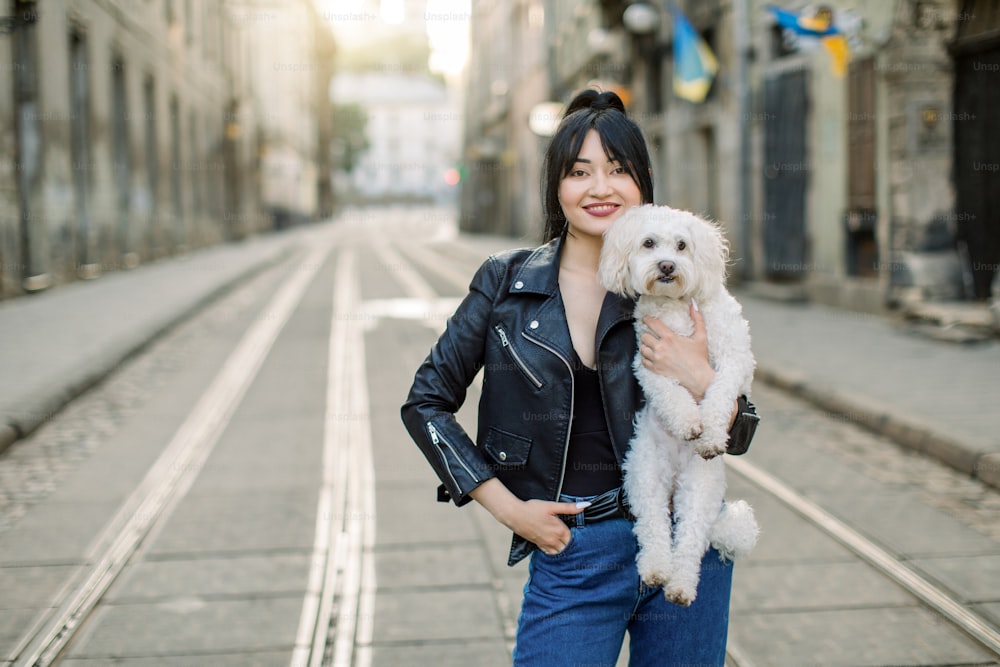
x=540, y=275
x=540, y=272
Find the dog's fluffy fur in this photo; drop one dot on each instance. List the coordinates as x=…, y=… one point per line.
x=673, y=472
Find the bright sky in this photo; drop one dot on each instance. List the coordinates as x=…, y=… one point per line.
x=445, y=21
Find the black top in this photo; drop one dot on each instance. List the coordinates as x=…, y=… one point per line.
x=591, y=465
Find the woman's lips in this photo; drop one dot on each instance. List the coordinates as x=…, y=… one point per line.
x=601, y=210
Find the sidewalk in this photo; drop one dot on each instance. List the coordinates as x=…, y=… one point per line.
x=56, y=344
x=935, y=397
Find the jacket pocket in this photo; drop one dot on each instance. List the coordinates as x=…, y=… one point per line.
x=508, y=451
x=516, y=358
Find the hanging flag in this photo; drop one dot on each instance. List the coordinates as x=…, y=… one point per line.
x=695, y=65
x=819, y=26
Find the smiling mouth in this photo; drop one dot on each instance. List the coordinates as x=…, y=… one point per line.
x=601, y=209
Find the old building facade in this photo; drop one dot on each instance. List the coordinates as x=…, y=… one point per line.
x=868, y=190
x=135, y=129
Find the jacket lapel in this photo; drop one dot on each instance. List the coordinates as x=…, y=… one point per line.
x=540, y=275
x=546, y=323
x=615, y=309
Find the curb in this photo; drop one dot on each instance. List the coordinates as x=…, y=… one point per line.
x=978, y=462
x=81, y=379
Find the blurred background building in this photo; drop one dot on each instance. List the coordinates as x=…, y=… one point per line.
x=137, y=130
x=869, y=187
x=411, y=123
x=396, y=101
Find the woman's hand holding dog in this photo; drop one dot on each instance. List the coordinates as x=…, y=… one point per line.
x=684, y=358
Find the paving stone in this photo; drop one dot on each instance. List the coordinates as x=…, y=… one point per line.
x=240, y=522
x=912, y=529
x=30, y=586
x=459, y=564
x=852, y=637
x=491, y=653
x=991, y=612
x=249, y=575
x=407, y=514
x=14, y=623
x=972, y=578
x=185, y=625
x=56, y=533
x=432, y=616
x=786, y=537
x=804, y=586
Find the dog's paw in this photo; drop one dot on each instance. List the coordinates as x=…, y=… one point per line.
x=654, y=579
x=708, y=452
x=651, y=574
x=679, y=595
x=691, y=430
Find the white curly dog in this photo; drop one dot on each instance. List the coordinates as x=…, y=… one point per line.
x=674, y=477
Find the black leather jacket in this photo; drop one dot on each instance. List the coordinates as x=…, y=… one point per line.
x=512, y=325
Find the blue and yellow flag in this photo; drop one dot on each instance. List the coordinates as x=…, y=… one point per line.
x=695, y=65
x=818, y=26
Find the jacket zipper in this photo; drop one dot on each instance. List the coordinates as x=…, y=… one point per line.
x=505, y=342
x=438, y=439
x=572, y=393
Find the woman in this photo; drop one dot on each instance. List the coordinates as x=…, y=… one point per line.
x=556, y=411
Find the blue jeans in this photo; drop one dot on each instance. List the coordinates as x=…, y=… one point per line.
x=579, y=603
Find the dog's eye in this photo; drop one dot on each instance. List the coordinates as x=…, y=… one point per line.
x=648, y=243
x=681, y=245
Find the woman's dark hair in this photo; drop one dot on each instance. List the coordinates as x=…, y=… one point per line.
x=621, y=139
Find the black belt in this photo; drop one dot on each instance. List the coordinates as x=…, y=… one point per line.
x=609, y=505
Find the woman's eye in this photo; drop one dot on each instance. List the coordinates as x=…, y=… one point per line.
x=619, y=170
x=681, y=245
x=578, y=172
x=648, y=243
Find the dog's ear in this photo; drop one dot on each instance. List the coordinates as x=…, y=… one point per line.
x=711, y=253
x=614, y=271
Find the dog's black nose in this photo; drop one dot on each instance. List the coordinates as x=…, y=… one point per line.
x=666, y=267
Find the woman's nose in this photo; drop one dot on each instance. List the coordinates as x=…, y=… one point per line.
x=600, y=185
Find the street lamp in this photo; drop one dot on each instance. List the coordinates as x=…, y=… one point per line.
x=544, y=118
x=641, y=18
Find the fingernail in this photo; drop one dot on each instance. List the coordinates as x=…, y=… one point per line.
x=694, y=303
x=583, y=504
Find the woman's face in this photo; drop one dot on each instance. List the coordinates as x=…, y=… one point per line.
x=596, y=191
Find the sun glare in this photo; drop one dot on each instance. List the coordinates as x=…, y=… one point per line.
x=448, y=34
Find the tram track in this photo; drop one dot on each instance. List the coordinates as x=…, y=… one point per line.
x=167, y=480
x=337, y=610
x=336, y=622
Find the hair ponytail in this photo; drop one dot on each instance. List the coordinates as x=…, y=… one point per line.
x=595, y=100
